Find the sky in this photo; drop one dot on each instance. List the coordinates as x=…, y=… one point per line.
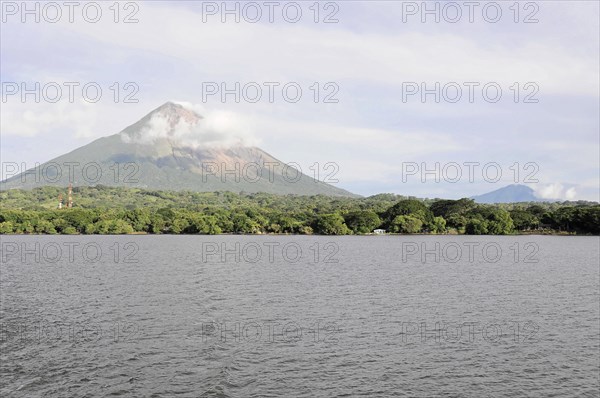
x=430, y=99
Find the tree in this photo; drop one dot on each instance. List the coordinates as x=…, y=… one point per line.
x=476, y=227
x=500, y=223
x=330, y=224
x=587, y=219
x=139, y=219
x=409, y=207
x=206, y=225
x=223, y=219
x=242, y=224
x=69, y=231
x=90, y=229
x=119, y=227
x=537, y=211
x=406, y=225
x=363, y=221
x=6, y=227
x=305, y=230
x=177, y=224
x=78, y=218
x=489, y=220
x=60, y=224
x=524, y=220
x=456, y=221
x=44, y=227
x=438, y=226
x=287, y=224
x=445, y=208
x=561, y=218
x=25, y=227
x=101, y=227
x=157, y=224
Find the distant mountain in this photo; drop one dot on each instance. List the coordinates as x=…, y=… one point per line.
x=163, y=151
x=509, y=194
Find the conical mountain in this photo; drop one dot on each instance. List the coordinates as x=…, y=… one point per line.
x=173, y=148
x=513, y=193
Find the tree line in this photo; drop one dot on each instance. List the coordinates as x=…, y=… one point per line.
x=107, y=210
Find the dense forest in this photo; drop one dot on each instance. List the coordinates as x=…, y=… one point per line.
x=106, y=210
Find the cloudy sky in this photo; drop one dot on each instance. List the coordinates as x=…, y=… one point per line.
x=372, y=68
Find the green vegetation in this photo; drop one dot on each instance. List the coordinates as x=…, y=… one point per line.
x=106, y=210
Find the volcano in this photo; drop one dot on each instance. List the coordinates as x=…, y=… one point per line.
x=173, y=148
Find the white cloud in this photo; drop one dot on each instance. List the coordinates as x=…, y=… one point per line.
x=377, y=57
x=194, y=126
x=555, y=191
x=43, y=119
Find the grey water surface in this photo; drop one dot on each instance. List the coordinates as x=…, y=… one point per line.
x=299, y=316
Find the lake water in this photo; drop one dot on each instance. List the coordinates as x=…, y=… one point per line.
x=291, y=316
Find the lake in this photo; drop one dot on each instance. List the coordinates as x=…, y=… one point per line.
x=300, y=316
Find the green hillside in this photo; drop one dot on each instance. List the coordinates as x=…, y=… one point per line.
x=109, y=210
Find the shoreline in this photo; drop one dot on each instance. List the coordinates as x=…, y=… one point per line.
x=277, y=234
